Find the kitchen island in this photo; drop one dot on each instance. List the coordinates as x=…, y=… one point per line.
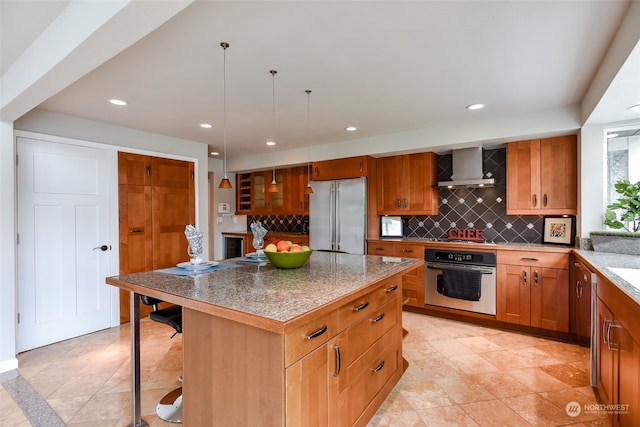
x=318, y=345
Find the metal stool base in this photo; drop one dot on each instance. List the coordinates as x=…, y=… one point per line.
x=169, y=408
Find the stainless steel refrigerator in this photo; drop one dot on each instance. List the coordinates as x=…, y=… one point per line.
x=338, y=215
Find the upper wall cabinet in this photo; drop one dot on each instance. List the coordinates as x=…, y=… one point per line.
x=253, y=197
x=407, y=184
x=350, y=167
x=542, y=176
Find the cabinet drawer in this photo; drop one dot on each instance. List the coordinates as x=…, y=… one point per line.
x=309, y=336
x=364, y=378
x=368, y=330
x=534, y=259
x=361, y=307
x=408, y=251
x=378, y=248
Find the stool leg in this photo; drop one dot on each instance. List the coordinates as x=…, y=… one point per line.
x=135, y=362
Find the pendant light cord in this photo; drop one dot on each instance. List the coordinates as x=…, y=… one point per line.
x=308, y=92
x=224, y=104
x=273, y=118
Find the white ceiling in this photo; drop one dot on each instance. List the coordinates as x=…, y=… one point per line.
x=385, y=67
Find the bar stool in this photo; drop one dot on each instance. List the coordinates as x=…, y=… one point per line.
x=170, y=406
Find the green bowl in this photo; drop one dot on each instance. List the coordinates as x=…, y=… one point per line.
x=288, y=259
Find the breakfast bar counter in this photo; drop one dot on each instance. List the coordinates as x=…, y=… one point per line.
x=320, y=344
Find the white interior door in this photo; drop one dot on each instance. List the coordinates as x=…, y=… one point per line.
x=63, y=215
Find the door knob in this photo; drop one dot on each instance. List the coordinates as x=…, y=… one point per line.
x=102, y=248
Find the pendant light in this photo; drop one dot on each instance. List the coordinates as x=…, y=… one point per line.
x=224, y=183
x=273, y=188
x=308, y=189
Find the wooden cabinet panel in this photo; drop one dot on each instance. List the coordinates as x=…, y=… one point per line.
x=406, y=184
x=580, y=302
x=309, y=336
x=380, y=248
x=244, y=196
x=542, y=176
x=349, y=167
x=253, y=197
x=533, y=289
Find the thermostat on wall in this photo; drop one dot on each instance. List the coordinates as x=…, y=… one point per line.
x=224, y=208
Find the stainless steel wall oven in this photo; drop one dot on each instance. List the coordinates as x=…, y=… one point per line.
x=463, y=280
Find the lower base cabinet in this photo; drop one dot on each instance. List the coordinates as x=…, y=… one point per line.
x=618, y=362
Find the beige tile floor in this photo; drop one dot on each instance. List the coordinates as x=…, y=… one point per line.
x=459, y=375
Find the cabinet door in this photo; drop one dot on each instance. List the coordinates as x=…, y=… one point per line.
x=134, y=169
x=523, y=176
x=420, y=176
x=243, y=193
x=626, y=373
x=513, y=299
x=604, y=356
x=390, y=184
x=350, y=167
x=380, y=248
x=580, y=303
x=296, y=201
x=558, y=178
x=308, y=389
x=549, y=298
x=413, y=287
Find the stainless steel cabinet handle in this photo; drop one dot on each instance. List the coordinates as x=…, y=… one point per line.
x=361, y=168
x=409, y=251
x=377, y=319
x=529, y=259
x=136, y=230
x=317, y=333
x=524, y=276
x=535, y=200
x=545, y=199
x=378, y=368
x=361, y=306
x=605, y=330
x=399, y=203
x=391, y=289
x=535, y=277
x=611, y=345
x=406, y=204
x=579, y=289
x=336, y=348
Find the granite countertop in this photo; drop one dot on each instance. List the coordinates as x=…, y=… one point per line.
x=273, y=295
x=607, y=263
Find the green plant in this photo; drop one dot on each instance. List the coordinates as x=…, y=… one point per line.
x=626, y=210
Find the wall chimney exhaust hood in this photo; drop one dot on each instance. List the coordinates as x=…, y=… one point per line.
x=467, y=169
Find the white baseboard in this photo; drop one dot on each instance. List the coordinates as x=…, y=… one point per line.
x=8, y=365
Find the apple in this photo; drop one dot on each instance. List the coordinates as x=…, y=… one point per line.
x=305, y=248
x=271, y=248
x=290, y=243
x=282, y=246
x=295, y=248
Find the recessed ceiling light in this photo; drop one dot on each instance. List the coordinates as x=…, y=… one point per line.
x=475, y=106
x=635, y=108
x=351, y=128
x=118, y=102
x=206, y=125
x=214, y=153
x=271, y=143
x=612, y=135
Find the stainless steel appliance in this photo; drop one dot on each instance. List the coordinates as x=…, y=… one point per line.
x=338, y=215
x=468, y=265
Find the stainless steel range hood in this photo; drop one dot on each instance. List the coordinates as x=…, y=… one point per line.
x=467, y=169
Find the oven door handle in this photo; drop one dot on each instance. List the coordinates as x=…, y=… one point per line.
x=440, y=266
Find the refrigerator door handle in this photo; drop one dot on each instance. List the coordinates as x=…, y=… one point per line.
x=336, y=229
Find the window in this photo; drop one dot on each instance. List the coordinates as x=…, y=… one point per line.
x=623, y=158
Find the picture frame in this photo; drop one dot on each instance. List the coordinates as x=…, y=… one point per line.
x=559, y=230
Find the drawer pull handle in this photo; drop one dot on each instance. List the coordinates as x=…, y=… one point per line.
x=408, y=250
x=529, y=259
x=380, y=249
x=378, y=368
x=317, y=333
x=377, y=319
x=524, y=277
x=391, y=289
x=361, y=306
x=338, y=361
x=535, y=277
x=604, y=330
x=611, y=345
x=136, y=230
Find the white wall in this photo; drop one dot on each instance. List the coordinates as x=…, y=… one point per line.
x=7, y=249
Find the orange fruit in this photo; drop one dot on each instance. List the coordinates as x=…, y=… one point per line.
x=282, y=246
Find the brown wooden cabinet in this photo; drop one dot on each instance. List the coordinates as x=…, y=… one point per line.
x=413, y=282
x=407, y=184
x=542, y=176
x=533, y=289
x=580, y=302
x=618, y=354
x=349, y=167
x=253, y=197
x=156, y=200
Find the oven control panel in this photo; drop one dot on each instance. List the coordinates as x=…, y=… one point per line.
x=461, y=257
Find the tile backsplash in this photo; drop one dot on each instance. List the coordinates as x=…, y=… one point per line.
x=476, y=208
x=482, y=208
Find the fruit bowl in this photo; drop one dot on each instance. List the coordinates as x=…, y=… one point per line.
x=288, y=259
